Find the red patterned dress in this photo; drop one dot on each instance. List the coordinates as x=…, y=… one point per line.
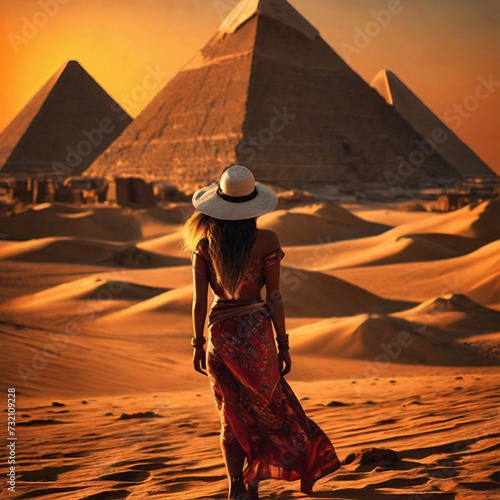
x=260, y=414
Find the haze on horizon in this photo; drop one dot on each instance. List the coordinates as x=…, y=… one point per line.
x=441, y=50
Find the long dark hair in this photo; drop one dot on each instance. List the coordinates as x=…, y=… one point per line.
x=228, y=244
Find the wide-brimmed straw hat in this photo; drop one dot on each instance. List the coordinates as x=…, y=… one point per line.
x=236, y=196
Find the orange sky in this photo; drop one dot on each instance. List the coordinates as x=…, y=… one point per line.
x=440, y=48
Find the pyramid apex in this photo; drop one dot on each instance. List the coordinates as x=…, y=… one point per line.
x=388, y=78
x=391, y=75
x=72, y=64
x=381, y=84
x=380, y=74
x=383, y=73
x=279, y=10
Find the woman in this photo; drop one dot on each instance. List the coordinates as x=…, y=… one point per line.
x=262, y=420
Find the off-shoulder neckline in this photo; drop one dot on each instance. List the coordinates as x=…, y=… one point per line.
x=268, y=254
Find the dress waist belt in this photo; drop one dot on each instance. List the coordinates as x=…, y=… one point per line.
x=222, y=309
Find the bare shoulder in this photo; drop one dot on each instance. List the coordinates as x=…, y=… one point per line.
x=269, y=240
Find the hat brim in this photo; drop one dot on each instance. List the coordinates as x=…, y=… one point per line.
x=207, y=201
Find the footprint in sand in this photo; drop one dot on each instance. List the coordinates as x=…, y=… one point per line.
x=49, y=491
x=48, y=421
x=48, y=474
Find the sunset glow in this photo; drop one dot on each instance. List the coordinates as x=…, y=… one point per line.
x=250, y=261
x=439, y=49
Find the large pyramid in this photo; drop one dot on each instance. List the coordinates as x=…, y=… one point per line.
x=268, y=92
x=422, y=119
x=63, y=128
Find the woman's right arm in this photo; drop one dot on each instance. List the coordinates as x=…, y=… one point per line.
x=274, y=301
x=274, y=298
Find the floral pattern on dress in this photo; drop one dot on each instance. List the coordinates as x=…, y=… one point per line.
x=260, y=414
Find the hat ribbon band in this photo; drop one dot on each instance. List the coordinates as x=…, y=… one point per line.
x=238, y=199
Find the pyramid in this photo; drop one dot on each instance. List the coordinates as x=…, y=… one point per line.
x=268, y=92
x=422, y=119
x=68, y=123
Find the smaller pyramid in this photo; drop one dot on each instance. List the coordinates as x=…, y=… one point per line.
x=63, y=128
x=424, y=121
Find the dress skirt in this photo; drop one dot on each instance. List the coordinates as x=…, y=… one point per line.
x=260, y=414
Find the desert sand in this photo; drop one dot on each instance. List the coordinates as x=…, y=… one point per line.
x=394, y=323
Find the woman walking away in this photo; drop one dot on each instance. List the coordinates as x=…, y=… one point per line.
x=262, y=420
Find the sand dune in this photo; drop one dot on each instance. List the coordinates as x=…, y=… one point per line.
x=481, y=222
x=384, y=339
x=459, y=303
x=487, y=290
x=313, y=294
x=388, y=248
x=58, y=219
x=169, y=244
x=168, y=213
x=96, y=222
x=391, y=249
x=456, y=314
x=392, y=355
x=450, y=235
x=90, y=288
x=318, y=223
x=160, y=220
x=163, y=277
x=84, y=251
x=386, y=213
x=423, y=280
x=178, y=300
x=67, y=356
